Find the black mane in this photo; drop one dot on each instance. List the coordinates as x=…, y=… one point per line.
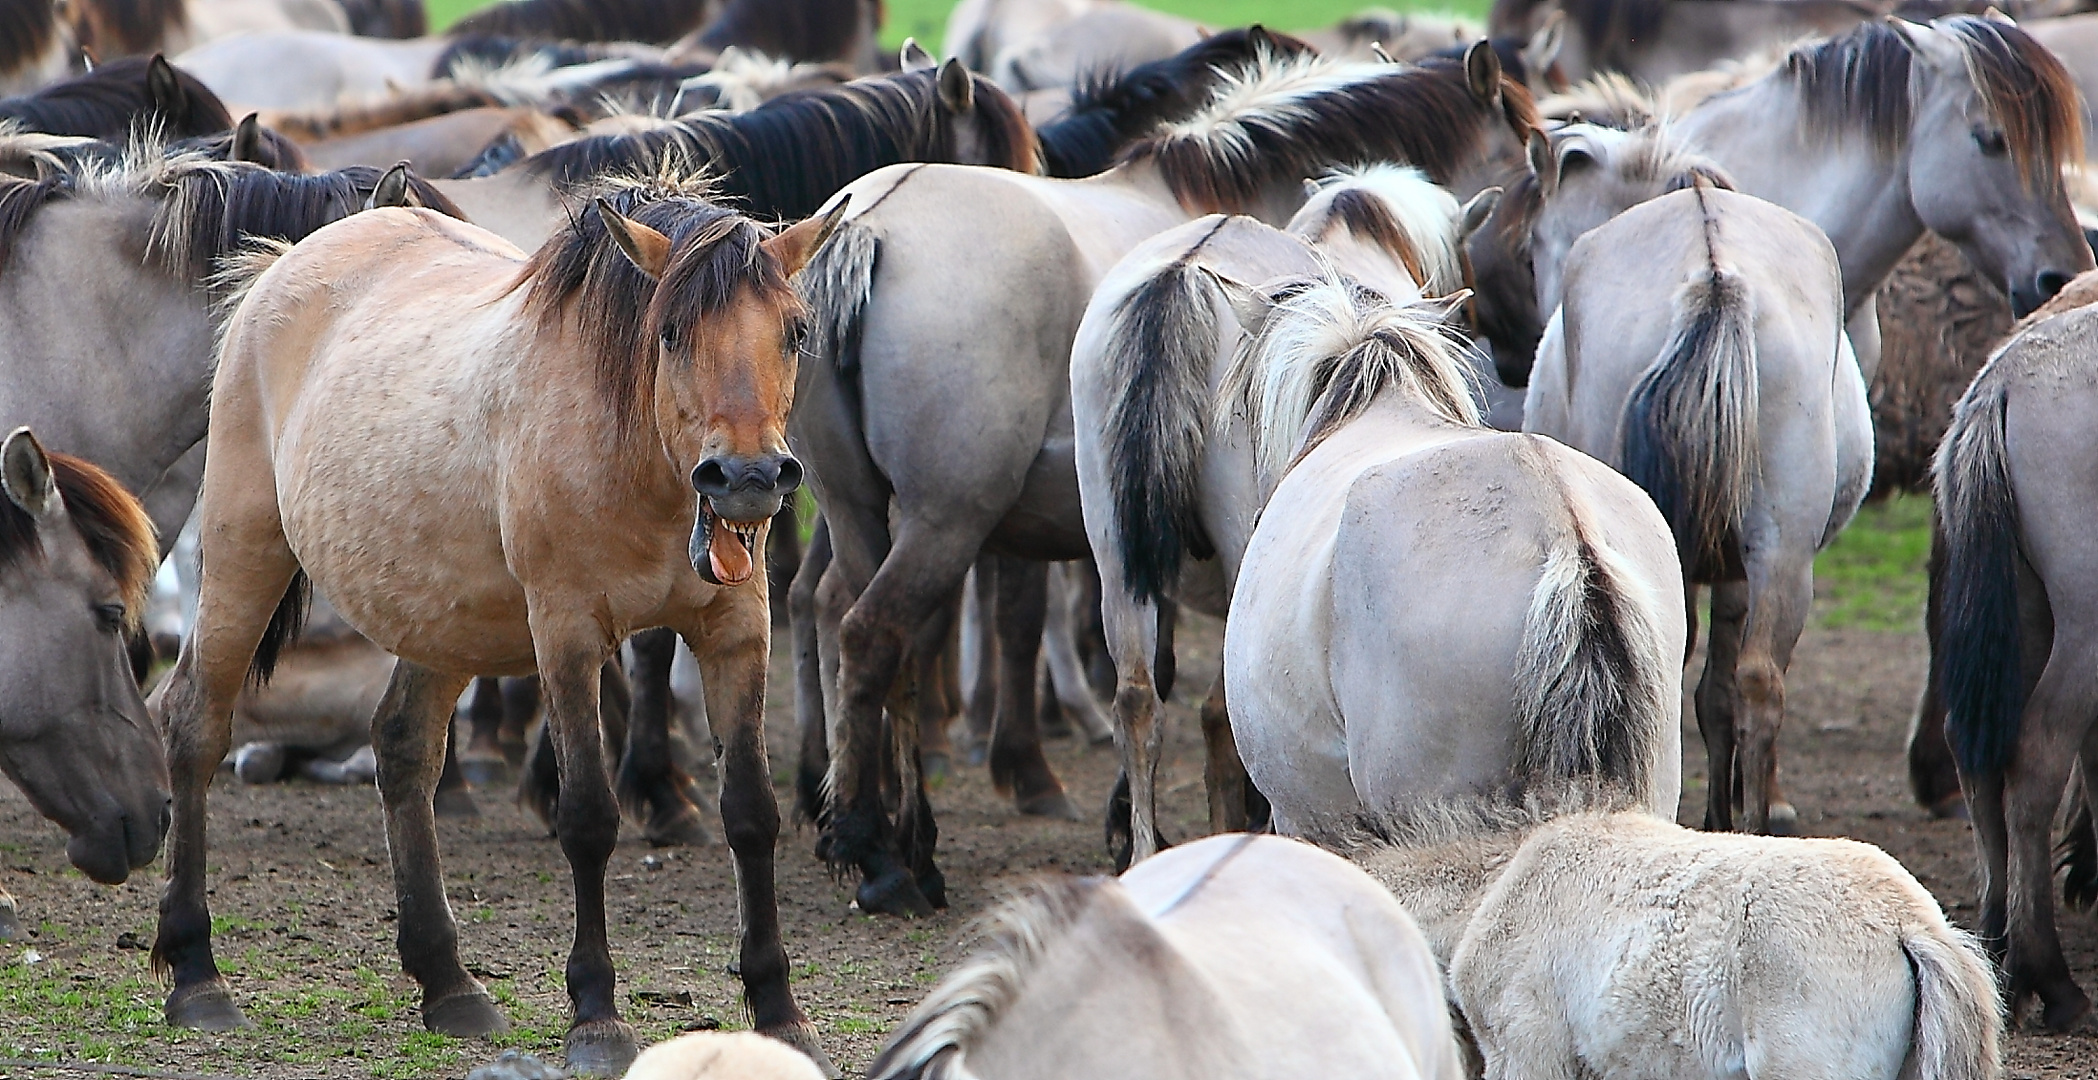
x=114, y=99
x=798, y=30
x=386, y=18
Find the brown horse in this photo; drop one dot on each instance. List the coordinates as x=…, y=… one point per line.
x=424, y=419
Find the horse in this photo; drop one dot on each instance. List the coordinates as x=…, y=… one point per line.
x=113, y=100
x=968, y=437
x=1234, y=956
x=1655, y=40
x=782, y=159
x=38, y=49
x=386, y=18
x=76, y=559
x=635, y=371
x=1429, y=608
x=803, y=31
x=1157, y=481
x=648, y=21
x=2012, y=648
x=1594, y=939
x=722, y=1055
x=1707, y=326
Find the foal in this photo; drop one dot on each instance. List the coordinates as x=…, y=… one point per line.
x=419, y=416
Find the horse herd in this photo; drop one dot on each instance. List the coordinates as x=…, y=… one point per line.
x=1448, y=398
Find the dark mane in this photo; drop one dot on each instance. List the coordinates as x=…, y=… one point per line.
x=386, y=18
x=657, y=22
x=210, y=209
x=618, y=312
x=118, y=535
x=1423, y=115
x=798, y=30
x=27, y=29
x=1606, y=25
x=116, y=98
x=784, y=158
x=492, y=50
x=1108, y=109
x=110, y=29
x=1857, y=81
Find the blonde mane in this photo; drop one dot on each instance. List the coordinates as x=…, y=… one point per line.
x=1397, y=208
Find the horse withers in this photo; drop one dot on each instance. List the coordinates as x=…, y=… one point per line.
x=76, y=558
x=634, y=374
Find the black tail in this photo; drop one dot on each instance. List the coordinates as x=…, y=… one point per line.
x=284, y=627
x=1977, y=664
x=1159, y=349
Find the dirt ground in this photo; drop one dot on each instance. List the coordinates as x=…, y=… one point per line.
x=303, y=903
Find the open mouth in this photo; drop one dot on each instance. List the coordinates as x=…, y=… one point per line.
x=723, y=551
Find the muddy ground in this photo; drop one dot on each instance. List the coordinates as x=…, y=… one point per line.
x=301, y=896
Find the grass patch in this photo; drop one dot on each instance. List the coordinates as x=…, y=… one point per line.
x=1872, y=577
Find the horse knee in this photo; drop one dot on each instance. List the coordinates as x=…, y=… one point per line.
x=587, y=821
x=750, y=824
x=1762, y=686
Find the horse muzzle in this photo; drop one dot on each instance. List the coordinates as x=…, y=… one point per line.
x=115, y=845
x=737, y=495
x=2027, y=298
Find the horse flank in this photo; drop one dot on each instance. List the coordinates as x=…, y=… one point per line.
x=118, y=535
x=1288, y=117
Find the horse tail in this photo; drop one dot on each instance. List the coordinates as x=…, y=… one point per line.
x=1159, y=347
x=1959, y=1015
x=284, y=626
x=1689, y=432
x=1593, y=673
x=1977, y=662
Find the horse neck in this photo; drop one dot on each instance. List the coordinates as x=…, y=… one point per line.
x=1273, y=206
x=1840, y=182
x=1441, y=883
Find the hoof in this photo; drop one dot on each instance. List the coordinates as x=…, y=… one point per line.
x=893, y=893
x=1784, y=819
x=802, y=1037
x=2066, y=1013
x=1049, y=804
x=468, y=1015
x=455, y=803
x=933, y=885
x=1952, y=807
x=10, y=922
x=260, y=763
x=601, y=1048
x=937, y=768
x=682, y=829
x=205, y=1007
x=485, y=772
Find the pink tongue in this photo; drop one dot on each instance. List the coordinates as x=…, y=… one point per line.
x=730, y=561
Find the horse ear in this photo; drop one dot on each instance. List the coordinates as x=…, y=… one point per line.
x=25, y=470
x=914, y=57
x=247, y=139
x=646, y=248
x=1542, y=166
x=392, y=189
x=1482, y=72
x=1476, y=212
x=1926, y=44
x=1377, y=50
x=795, y=246
x=1249, y=305
x=1542, y=50
x=163, y=88
x=1995, y=14
x=957, y=88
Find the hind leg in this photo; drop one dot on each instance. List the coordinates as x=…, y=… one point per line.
x=482, y=759
x=1718, y=699
x=2058, y=718
x=1069, y=601
x=810, y=729
x=1235, y=805
x=408, y=736
x=1780, y=595
x=1017, y=763
x=978, y=651
x=1933, y=776
x=243, y=534
x=651, y=786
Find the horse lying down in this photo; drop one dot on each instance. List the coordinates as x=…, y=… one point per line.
x=1615, y=944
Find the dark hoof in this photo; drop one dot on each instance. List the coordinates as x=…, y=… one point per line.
x=205, y=1007
x=937, y=768
x=1105, y=738
x=485, y=772
x=1049, y=804
x=1784, y=820
x=933, y=885
x=893, y=893
x=455, y=803
x=601, y=1048
x=685, y=828
x=2065, y=1014
x=10, y=923
x=469, y=1015
x=802, y=1037
x=1952, y=807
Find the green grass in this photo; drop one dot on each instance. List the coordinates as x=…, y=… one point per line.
x=926, y=20
x=1872, y=577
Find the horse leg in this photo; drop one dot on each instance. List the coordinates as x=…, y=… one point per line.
x=539, y=783
x=1017, y=763
x=731, y=639
x=783, y=560
x=1068, y=677
x=1718, y=697
x=409, y=737
x=2058, y=718
x=809, y=724
x=651, y=787
x=917, y=833
x=1132, y=638
x=482, y=760
x=454, y=796
x=1234, y=804
x=10, y=917
x=520, y=706
x=936, y=753
x=1933, y=775
x=194, y=704
x=586, y=819
x=1091, y=631
x=979, y=644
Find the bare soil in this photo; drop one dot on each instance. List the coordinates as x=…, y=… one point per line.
x=304, y=905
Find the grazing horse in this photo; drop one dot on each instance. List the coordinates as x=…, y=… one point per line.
x=76, y=559
x=1582, y=940
x=2013, y=592
x=1157, y=479
x=1232, y=957
x=1428, y=608
x=1707, y=330
x=929, y=446
x=636, y=373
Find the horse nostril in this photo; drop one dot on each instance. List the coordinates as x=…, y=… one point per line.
x=789, y=477
x=2050, y=282
x=710, y=477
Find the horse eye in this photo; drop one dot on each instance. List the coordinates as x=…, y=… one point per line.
x=1991, y=141
x=797, y=332
x=110, y=617
x=670, y=339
